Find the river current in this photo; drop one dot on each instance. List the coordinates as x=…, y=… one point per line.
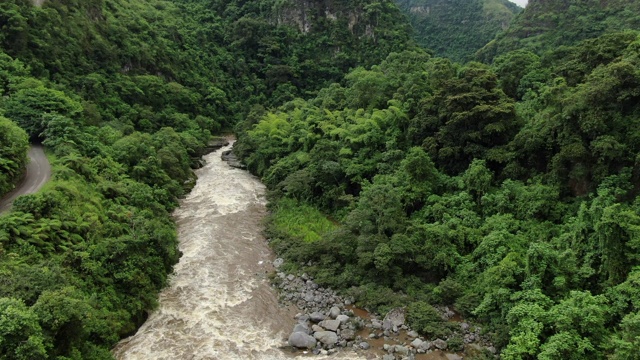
x=219, y=303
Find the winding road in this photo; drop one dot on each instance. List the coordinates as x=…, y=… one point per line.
x=36, y=175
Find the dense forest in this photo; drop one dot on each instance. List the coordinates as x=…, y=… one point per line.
x=507, y=188
x=457, y=28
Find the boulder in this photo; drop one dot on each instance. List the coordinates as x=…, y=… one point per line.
x=332, y=325
x=440, y=344
x=342, y=318
x=364, y=345
x=412, y=333
x=302, y=340
x=425, y=346
x=348, y=334
x=416, y=343
x=326, y=337
x=230, y=158
x=278, y=262
x=394, y=319
x=388, y=357
x=316, y=317
x=303, y=328
x=334, y=312
x=402, y=350
x=453, y=357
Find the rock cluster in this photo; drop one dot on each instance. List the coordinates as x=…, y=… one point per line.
x=214, y=144
x=326, y=324
x=232, y=159
x=323, y=332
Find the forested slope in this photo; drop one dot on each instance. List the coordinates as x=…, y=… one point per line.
x=509, y=191
x=457, y=29
x=125, y=95
x=546, y=24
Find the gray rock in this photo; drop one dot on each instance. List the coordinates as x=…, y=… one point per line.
x=412, y=333
x=303, y=328
x=492, y=350
x=464, y=326
x=316, y=317
x=402, y=350
x=302, y=340
x=316, y=328
x=440, y=344
x=291, y=277
x=376, y=324
x=326, y=337
x=308, y=297
x=364, y=345
x=394, y=319
x=388, y=357
x=278, y=262
x=348, y=334
x=453, y=357
x=425, y=346
x=232, y=159
x=334, y=312
x=342, y=318
x=332, y=325
x=416, y=343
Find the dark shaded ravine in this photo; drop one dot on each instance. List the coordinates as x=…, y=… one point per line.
x=37, y=173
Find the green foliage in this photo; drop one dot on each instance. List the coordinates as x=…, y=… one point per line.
x=425, y=318
x=457, y=29
x=20, y=333
x=548, y=25
x=28, y=107
x=13, y=153
x=509, y=191
x=298, y=220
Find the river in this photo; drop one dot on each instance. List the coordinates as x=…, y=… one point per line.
x=219, y=303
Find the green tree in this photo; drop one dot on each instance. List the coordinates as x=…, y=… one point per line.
x=28, y=106
x=21, y=336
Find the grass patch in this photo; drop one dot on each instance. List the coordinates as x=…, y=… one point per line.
x=299, y=220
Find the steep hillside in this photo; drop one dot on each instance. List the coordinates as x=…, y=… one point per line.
x=288, y=49
x=457, y=28
x=547, y=24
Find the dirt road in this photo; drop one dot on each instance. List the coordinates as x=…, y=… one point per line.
x=37, y=174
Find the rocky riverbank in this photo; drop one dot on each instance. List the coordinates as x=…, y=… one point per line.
x=328, y=322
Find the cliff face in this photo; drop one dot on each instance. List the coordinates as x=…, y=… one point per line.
x=457, y=28
x=546, y=24
x=361, y=18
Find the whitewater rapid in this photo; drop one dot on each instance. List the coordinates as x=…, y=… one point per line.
x=219, y=304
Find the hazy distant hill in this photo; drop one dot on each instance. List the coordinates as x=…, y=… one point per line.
x=457, y=28
x=546, y=24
